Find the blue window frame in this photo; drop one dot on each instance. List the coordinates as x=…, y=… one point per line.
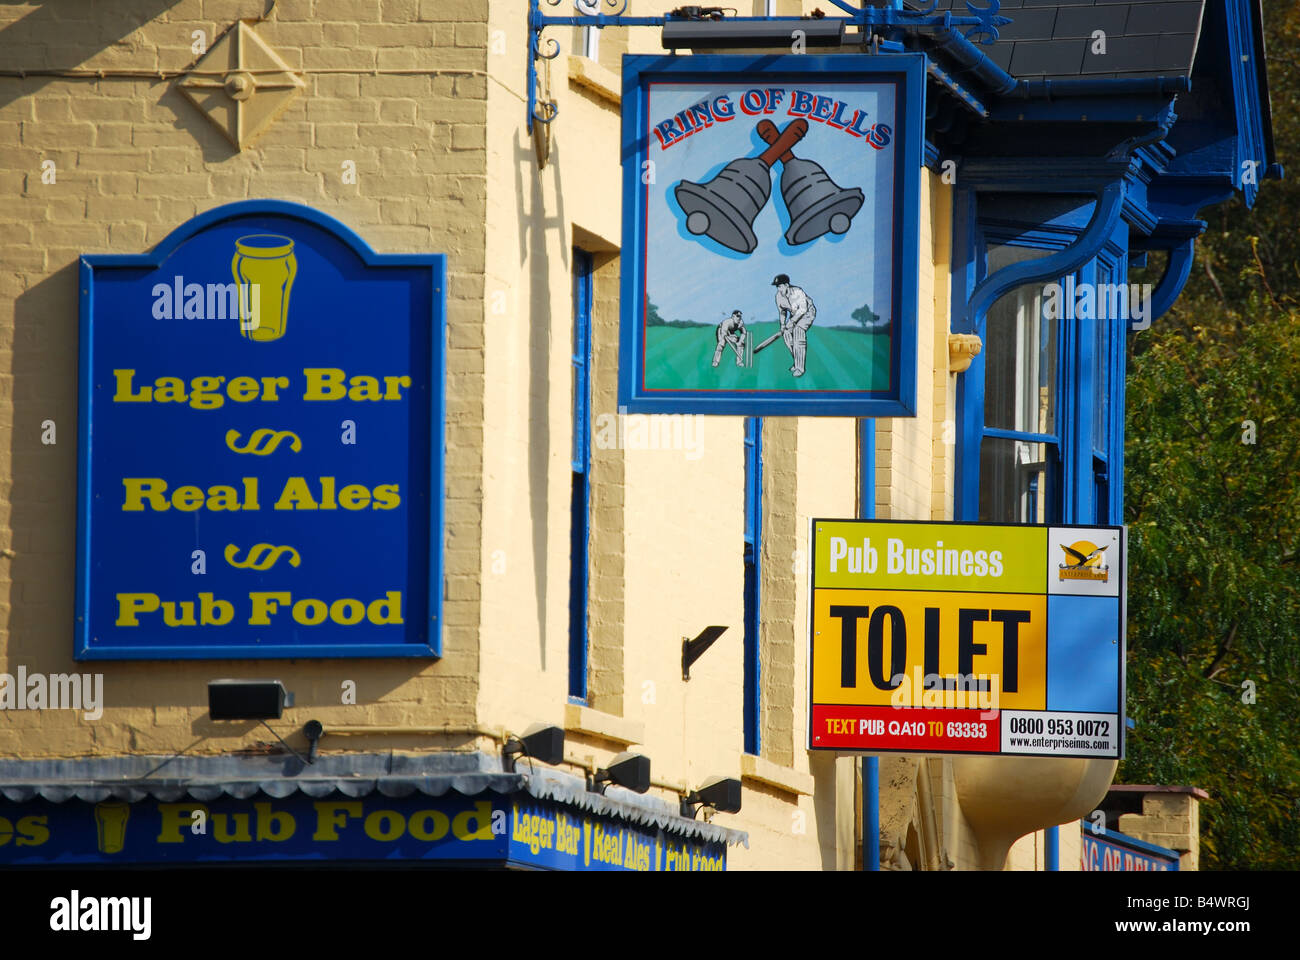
x=580, y=503
x=753, y=578
x=1043, y=405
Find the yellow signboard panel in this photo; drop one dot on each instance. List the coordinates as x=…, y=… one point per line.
x=909, y=649
x=931, y=556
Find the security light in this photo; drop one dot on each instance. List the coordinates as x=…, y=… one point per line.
x=247, y=699
x=540, y=742
x=630, y=770
x=720, y=793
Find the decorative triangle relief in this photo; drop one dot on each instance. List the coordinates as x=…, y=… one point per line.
x=241, y=85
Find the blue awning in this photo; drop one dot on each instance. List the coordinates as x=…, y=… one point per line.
x=132, y=779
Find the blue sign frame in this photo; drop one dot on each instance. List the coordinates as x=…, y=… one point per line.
x=861, y=388
x=142, y=436
x=1108, y=850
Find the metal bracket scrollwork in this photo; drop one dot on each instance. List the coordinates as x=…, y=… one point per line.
x=983, y=23
x=987, y=21
x=548, y=48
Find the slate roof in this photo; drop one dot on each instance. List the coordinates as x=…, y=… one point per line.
x=1052, y=39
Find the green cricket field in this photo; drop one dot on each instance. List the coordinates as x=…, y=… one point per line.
x=681, y=358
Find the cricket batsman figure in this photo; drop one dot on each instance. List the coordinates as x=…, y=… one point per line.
x=796, y=312
x=731, y=332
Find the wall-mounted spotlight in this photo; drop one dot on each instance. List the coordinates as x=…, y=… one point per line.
x=540, y=742
x=630, y=770
x=720, y=793
x=247, y=699
x=692, y=650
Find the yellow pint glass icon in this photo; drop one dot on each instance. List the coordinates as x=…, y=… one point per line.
x=264, y=267
x=110, y=825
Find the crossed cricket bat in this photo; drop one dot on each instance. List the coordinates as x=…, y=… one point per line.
x=769, y=340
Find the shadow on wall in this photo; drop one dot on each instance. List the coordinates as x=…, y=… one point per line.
x=64, y=34
x=542, y=328
x=43, y=481
x=826, y=806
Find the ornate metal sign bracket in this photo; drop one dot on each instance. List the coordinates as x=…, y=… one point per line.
x=983, y=23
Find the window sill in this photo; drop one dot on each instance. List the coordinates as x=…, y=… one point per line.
x=582, y=719
x=782, y=778
x=589, y=74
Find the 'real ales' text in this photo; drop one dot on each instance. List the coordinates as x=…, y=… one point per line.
x=318, y=384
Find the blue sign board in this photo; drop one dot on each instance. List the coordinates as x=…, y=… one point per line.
x=260, y=444
x=771, y=211
x=1112, y=851
x=517, y=830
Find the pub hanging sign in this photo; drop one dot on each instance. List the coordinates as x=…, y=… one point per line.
x=770, y=234
x=260, y=444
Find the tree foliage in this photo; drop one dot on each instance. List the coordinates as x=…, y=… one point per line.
x=1214, y=609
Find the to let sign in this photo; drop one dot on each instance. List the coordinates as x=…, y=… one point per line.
x=260, y=446
x=966, y=638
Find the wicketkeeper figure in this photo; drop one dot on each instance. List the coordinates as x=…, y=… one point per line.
x=796, y=312
x=731, y=332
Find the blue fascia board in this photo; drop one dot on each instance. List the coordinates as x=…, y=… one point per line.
x=1096, y=107
x=1043, y=174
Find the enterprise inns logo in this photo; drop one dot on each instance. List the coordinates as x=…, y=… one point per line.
x=1084, y=560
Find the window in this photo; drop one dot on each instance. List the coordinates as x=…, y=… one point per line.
x=1043, y=403
x=590, y=35
x=1101, y=406
x=753, y=549
x=1020, y=452
x=580, y=504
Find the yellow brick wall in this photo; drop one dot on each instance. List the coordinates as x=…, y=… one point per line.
x=444, y=163
x=909, y=484
x=1171, y=820
x=133, y=160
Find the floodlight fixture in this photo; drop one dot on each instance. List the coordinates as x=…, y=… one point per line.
x=719, y=793
x=629, y=770
x=247, y=699
x=540, y=741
